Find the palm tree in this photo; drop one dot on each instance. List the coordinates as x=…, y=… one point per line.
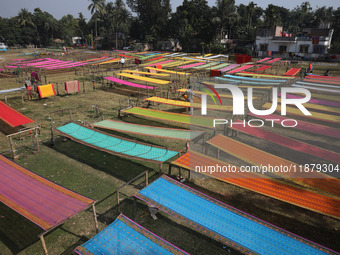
x=97, y=6
x=303, y=10
x=81, y=25
x=272, y=16
x=120, y=18
x=323, y=15
x=51, y=25
x=25, y=18
x=226, y=14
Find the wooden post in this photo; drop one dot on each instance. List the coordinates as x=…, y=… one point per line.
x=70, y=113
x=52, y=136
x=83, y=86
x=97, y=111
x=134, y=208
x=43, y=244
x=95, y=218
x=37, y=139
x=146, y=178
x=57, y=83
x=118, y=209
x=15, y=157
x=147, y=88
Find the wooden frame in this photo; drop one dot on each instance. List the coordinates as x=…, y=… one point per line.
x=36, y=130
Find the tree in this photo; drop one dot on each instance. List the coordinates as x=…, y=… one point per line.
x=82, y=25
x=323, y=15
x=303, y=15
x=227, y=14
x=51, y=25
x=335, y=19
x=27, y=27
x=96, y=7
x=25, y=18
x=272, y=16
x=70, y=28
x=46, y=25
x=120, y=19
x=249, y=20
x=191, y=24
x=153, y=17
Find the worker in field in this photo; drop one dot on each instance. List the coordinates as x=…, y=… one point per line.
x=189, y=97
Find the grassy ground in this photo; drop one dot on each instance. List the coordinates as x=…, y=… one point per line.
x=97, y=175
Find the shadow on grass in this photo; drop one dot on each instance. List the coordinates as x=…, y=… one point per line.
x=70, y=250
x=166, y=227
x=120, y=168
x=16, y=232
x=7, y=129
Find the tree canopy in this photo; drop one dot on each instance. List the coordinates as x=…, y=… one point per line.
x=194, y=24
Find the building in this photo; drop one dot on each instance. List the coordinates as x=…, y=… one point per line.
x=169, y=45
x=312, y=43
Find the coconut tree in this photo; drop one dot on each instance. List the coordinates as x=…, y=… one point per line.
x=51, y=25
x=227, y=14
x=25, y=18
x=96, y=7
x=28, y=30
x=272, y=16
x=120, y=17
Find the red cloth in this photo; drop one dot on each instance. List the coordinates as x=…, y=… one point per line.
x=214, y=73
x=12, y=117
x=72, y=86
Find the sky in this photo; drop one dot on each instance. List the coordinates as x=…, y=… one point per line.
x=59, y=8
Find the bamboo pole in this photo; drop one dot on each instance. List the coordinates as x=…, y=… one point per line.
x=12, y=148
x=37, y=139
x=43, y=244
x=118, y=209
x=70, y=113
x=95, y=218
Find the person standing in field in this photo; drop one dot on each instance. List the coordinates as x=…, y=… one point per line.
x=189, y=97
x=29, y=89
x=122, y=61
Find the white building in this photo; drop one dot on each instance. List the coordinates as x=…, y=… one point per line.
x=3, y=47
x=311, y=43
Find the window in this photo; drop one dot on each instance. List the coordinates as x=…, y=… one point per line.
x=282, y=49
x=263, y=47
x=318, y=49
x=304, y=48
